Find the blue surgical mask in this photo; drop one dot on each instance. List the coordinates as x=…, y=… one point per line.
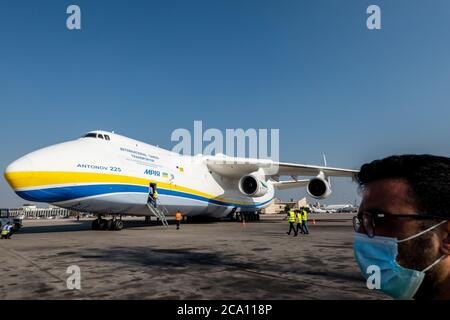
x=395, y=280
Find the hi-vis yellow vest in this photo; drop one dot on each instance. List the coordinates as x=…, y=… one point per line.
x=299, y=217
x=5, y=230
x=291, y=216
x=155, y=194
x=305, y=215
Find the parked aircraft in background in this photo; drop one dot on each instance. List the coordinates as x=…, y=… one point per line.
x=340, y=208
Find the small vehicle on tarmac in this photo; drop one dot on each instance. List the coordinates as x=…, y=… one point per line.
x=5, y=217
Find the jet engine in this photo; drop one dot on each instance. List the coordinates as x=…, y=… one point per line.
x=252, y=186
x=319, y=188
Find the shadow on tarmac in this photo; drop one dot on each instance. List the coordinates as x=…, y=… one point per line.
x=85, y=225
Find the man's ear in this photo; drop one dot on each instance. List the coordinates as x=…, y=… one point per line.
x=445, y=244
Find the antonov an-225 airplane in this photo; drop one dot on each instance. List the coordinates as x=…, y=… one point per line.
x=106, y=173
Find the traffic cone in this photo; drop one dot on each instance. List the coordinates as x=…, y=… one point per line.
x=314, y=221
x=243, y=223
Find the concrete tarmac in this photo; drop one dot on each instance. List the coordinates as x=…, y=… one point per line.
x=220, y=260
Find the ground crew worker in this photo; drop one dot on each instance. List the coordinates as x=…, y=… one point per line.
x=305, y=221
x=12, y=229
x=155, y=197
x=298, y=214
x=6, y=231
x=291, y=220
x=150, y=193
x=178, y=218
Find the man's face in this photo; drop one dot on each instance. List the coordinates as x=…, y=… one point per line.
x=393, y=196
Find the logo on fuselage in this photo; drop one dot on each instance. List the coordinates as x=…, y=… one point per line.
x=151, y=172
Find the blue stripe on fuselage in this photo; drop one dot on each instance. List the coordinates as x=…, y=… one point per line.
x=59, y=194
x=75, y=192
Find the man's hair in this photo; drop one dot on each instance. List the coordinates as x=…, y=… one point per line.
x=428, y=177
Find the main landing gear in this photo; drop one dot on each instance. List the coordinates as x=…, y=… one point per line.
x=247, y=216
x=104, y=224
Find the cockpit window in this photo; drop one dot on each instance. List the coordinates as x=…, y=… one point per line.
x=98, y=136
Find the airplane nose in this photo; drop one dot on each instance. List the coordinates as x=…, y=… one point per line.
x=19, y=172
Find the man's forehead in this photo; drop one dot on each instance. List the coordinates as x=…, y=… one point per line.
x=387, y=193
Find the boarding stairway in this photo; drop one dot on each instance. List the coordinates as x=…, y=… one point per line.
x=160, y=212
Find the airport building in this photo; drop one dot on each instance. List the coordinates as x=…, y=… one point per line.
x=277, y=206
x=29, y=211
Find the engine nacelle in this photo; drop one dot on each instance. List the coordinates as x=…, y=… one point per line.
x=252, y=186
x=319, y=188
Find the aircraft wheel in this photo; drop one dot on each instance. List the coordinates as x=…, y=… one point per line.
x=117, y=225
x=95, y=224
x=102, y=224
x=107, y=225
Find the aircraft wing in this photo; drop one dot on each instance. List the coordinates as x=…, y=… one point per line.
x=237, y=167
x=294, y=169
x=282, y=185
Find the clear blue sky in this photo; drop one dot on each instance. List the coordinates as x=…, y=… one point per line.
x=310, y=68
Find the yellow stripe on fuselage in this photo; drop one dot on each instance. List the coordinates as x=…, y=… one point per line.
x=32, y=179
x=41, y=179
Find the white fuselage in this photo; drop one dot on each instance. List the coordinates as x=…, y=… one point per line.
x=113, y=176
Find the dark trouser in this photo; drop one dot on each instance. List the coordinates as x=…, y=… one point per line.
x=300, y=228
x=291, y=227
x=152, y=201
x=178, y=224
x=305, y=227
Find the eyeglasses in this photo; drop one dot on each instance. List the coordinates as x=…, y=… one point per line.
x=369, y=219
